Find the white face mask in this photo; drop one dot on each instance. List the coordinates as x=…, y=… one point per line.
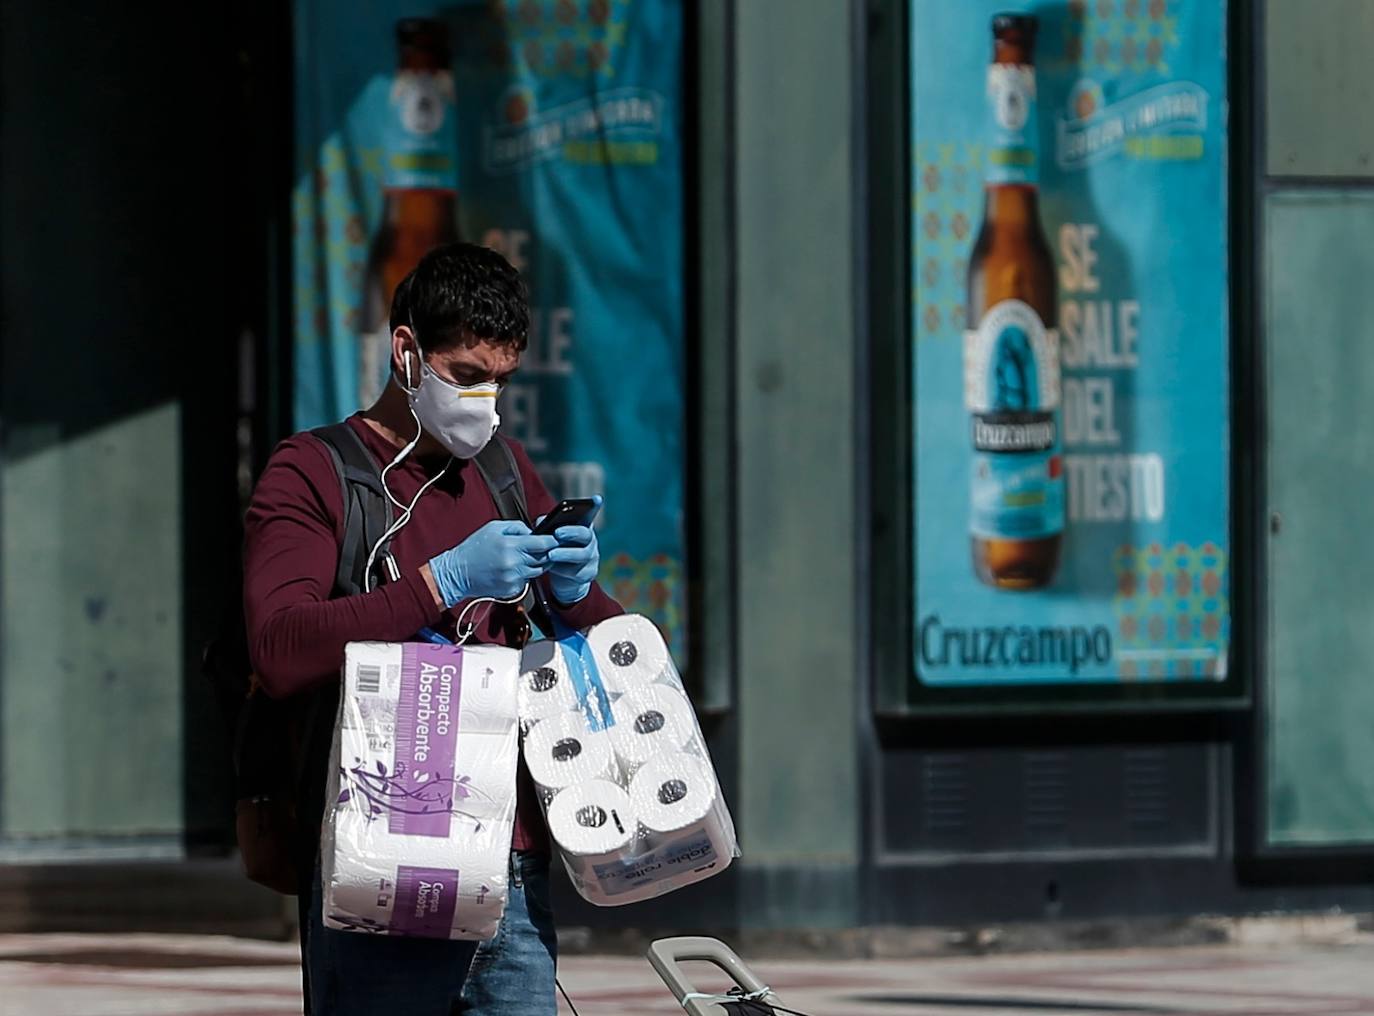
x=462, y=418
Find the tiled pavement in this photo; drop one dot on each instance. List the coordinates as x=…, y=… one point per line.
x=83, y=975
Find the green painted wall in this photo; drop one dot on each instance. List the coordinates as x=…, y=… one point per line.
x=794, y=367
x=1319, y=441
x=1321, y=483
x=90, y=729
x=1319, y=95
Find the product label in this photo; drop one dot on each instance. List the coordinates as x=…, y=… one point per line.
x=421, y=140
x=1014, y=146
x=420, y=789
x=1011, y=391
x=426, y=899
x=690, y=854
x=374, y=687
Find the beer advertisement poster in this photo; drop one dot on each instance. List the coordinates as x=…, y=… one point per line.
x=1071, y=342
x=551, y=131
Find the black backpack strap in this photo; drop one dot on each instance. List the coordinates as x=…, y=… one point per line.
x=497, y=466
x=367, y=515
x=366, y=511
x=496, y=463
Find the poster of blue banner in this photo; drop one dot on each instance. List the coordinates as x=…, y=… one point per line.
x=1071, y=342
x=549, y=130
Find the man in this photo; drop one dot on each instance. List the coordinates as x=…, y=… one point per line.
x=459, y=323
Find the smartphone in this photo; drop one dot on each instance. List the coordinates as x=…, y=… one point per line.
x=577, y=511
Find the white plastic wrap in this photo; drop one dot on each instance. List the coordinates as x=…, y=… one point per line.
x=421, y=794
x=623, y=773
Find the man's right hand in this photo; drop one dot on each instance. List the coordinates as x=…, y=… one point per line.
x=496, y=561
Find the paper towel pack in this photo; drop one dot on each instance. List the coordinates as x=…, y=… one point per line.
x=629, y=792
x=416, y=838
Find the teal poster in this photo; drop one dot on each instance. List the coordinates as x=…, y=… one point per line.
x=549, y=130
x=1070, y=358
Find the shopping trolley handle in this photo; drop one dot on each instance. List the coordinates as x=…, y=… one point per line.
x=667, y=954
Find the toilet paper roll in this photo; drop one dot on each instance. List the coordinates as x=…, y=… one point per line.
x=592, y=821
x=651, y=721
x=629, y=652
x=545, y=687
x=673, y=792
x=444, y=889
x=561, y=751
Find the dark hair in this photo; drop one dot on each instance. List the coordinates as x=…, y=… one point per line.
x=462, y=294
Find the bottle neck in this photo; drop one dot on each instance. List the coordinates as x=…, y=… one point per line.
x=1013, y=139
x=1012, y=205
x=421, y=211
x=427, y=61
x=1013, y=50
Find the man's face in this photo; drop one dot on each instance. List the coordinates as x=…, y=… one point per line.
x=476, y=364
x=462, y=365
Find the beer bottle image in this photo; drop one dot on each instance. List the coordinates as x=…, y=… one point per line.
x=1011, y=348
x=419, y=172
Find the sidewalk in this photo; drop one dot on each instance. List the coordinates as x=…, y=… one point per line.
x=87, y=975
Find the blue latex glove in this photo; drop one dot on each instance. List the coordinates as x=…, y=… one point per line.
x=573, y=564
x=496, y=561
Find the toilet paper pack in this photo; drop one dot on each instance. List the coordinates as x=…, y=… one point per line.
x=629, y=792
x=417, y=833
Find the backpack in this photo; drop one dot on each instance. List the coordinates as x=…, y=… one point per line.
x=280, y=748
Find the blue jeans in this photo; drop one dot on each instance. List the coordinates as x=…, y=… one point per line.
x=513, y=973
x=351, y=973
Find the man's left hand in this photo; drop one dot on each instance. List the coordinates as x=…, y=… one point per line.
x=573, y=564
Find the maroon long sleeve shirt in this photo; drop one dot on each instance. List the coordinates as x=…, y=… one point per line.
x=297, y=633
